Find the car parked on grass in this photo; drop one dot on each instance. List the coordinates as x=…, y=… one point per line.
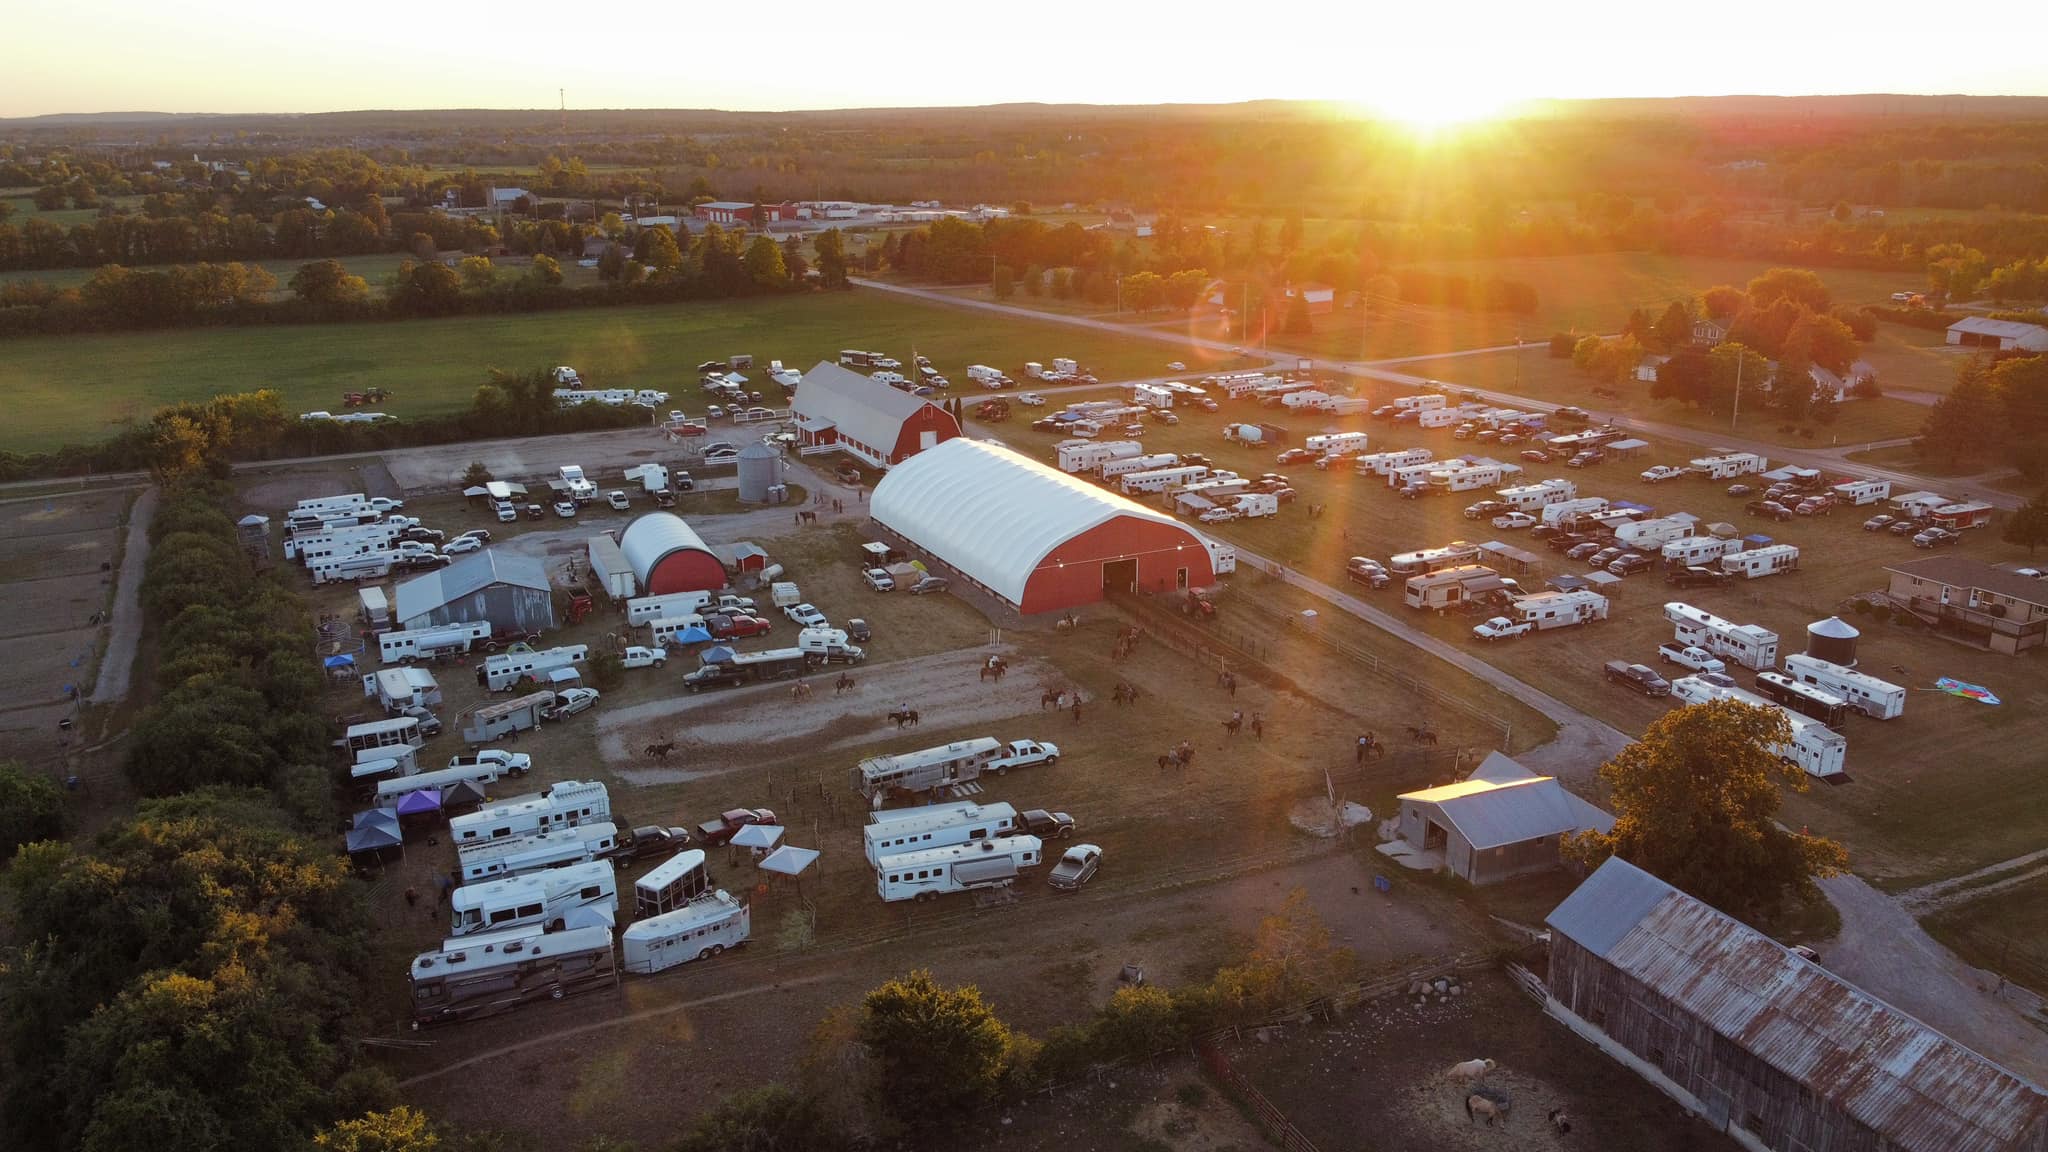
x=1487, y=508
x=1046, y=825
x=1030, y=399
x=1582, y=550
x=1879, y=523
x=1935, y=538
x=1513, y=520
x=480, y=535
x=878, y=579
x=1904, y=527
x=1501, y=628
x=1659, y=473
x=806, y=615
x=1767, y=508
x=1295, y=456
x=568, y=702
x=1696, y=576
x=712, y=833
x=930, y=584
x=1639, y=677
x=645, y=843
x=738, y=626
x=1077, y=866
x=1605, y=556
x=1217, y=515
x=1629, y=563
x=461, y=545
x=1690, y=656
x=1586, y=459
x=1740, y=489
x=566, y=509
x=1367, y=571
x=639, y=657
x=1536, y=455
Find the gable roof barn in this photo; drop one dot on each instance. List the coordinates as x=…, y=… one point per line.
x=422, y=594
x=1504, y=803
x=863, y=410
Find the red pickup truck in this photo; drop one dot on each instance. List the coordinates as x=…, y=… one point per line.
x=712, y=833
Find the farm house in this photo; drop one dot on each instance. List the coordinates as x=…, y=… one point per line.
x=1501, y=822
x=510, y=593
x=1038, y=538
x=666, y=555
x=1770, y=1047
x=869, y=420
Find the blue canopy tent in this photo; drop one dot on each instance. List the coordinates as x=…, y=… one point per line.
x=718, y=655
x=385, y=817
x=425, y=802
x=375, y=841
x=694, y=634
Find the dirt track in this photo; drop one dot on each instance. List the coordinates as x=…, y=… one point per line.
x=725, y=729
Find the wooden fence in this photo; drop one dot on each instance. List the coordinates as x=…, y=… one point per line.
x=1278, y=1127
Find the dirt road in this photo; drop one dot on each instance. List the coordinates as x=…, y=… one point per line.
x=118, y=662
x=732, y=728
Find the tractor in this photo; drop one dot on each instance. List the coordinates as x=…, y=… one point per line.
x=994, y=411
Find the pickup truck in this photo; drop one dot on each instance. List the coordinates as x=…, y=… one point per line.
x=1501, y=628
x=1690, y=656
x=712, y=676
x=1639, y=677
x=1046, y=825
x=1663, y=472
x=507, y=763
x=729, y=603
x=712, y=833
x=1023, y=754
x=641, y=843
x=1696, y=576
x=638, y=657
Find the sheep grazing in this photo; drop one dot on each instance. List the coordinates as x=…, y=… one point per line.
x=1470, y=1070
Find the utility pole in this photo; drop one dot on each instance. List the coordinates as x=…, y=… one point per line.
x=1737, y=409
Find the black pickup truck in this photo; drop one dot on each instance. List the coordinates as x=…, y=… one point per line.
x=641, y=843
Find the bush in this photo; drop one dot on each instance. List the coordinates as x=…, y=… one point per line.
x=1561, y=345
x=1866, y=388
x=31, y=809
x=607, y=670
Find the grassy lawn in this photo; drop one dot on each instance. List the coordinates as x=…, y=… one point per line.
x=1534, y=373
x=376, y=269
x=1940, y=790
x=2005, y=932
x=79, y=388
x=1913, y=358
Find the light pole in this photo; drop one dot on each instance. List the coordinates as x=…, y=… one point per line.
x=1737, y=409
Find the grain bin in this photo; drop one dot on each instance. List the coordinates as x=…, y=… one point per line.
x=1832, y=640
x=760, y=470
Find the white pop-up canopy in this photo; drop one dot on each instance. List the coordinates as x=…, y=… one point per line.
x=788, y=860
x=758, y=836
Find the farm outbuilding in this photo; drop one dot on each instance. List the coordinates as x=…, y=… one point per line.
x=1038, y=538
x=2004, y=335
x=1501, y=822
x=1767, y=1046
x=869, y=420
x=509, y=592
x=666, y=555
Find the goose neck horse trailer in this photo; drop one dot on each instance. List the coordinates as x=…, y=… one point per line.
x=699, y=930
x=562, y=805
x=578, y=896
x=924, y=769
x=933, y=872
x=486, y=975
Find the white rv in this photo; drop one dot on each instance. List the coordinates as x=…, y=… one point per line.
x=933, y=872
x=1482, y=474
x=1411, y=475
x=502, y=673
x=1691, y=550
x=320, y=504
x=309, y=547
x=1865, y=693
x=698, y=930
x=1646, y=535
x=562, y=805
x=1529, y=497
x=1162, y=479
x=367, y=566
x=1442, y=417
x=1422, y=403
x=1766, y=561
x=429, y=643
x=507, y=718
x=1566, y=511
x=1125, y=465
x=1151, y=396
x=398, y=689
x=1860, y=492
x=1087, y=455
x=399, y=730
x=519, y=855
x=925, y=769
x=651, y=477
x=1431, y=559
x=646, y=608
x=1447, y=588
x=935, y=826
x=1381, y=463
x=1728, y=466
x=578, y=896
x=1750, y=645
x=1817, y=748
x=1546, y=610
x=672, y=883
x=1335, y=443
x=495, y=972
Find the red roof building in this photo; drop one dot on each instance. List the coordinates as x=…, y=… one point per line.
x=867, y=419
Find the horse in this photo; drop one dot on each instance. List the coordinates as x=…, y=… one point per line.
x=1561, y=1122
x=1422, y=735
x=993, y=670
x=843, y=684
x=1066, y=623
x=1049, y=698
x=1233, y=724
x=1469, y=1071
x=1478, y=1107
x=807, y=517
x=801, y=690
x=658, y=752
x=904, y=717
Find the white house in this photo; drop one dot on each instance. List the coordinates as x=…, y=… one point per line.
x=2003, y=335
x=507, y=197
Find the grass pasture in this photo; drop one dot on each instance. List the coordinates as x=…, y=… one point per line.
x=1938, y=791
x=68, y=389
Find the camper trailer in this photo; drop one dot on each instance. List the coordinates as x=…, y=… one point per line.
x=645, y=608
x=519, y=855
x=1568, y=511
x=399, y=730
x=1381, y=463
x=1919, y=505
x=431, y=643
x=1805, y=699
x=507, y=718
x=1857, y=493
x=398, y=689
x=1690, y=550
x=1530, y=497
x=1432, y=559
x=1151, y=396
x=503, y=672
x=933, y=872
x=1651, y=535
x=391, y=791
x=1422, y=403
x=935, y=826
x=699, y=930
x=672, y=883
x=1867, y=694
x=1088, y=455
x=578, y=896
x=1337, y=443
x=1413, y=475
x=1730, y=466
x=1958, y=517
x=1447, y=588
x=1162, y=479
x=1543, y=611
x=1815, y=747
x=1750, y=645
x=488, y=974
x=1485, y=474
x=1442, y=417
x=925, y=769
x=309, y=547
x=1766, y=561
x=1125, y=465
x=563, y=805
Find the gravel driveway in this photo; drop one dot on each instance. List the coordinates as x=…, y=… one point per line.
x=126, y=630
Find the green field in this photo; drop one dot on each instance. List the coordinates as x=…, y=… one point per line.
x=375, y=268
x=1534, y=373
x=67, y=389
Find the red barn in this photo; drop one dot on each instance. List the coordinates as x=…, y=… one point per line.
x=870, y=420
x=1038, y=538
x=668, y=556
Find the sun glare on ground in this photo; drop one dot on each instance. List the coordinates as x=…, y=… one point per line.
x=1430, y=112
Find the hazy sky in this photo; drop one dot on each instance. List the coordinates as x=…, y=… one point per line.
x=1451, y=56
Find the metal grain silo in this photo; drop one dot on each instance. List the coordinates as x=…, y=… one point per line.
x=760, y=470
x=1832, y=640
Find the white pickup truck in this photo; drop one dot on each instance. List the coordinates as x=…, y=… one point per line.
x=1023, y=754
x=1690, y=656
x=507, y=763
x=639, y=657
x=1663, y=472
x=1500, y=628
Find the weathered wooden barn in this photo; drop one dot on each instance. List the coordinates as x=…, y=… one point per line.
x=1769, y=1047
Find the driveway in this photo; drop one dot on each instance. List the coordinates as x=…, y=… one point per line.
x=118, y=662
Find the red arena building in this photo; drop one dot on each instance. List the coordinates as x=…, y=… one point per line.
x=1038, y=538
x=668, y=556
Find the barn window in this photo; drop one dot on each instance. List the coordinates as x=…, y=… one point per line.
x=1754, y=1122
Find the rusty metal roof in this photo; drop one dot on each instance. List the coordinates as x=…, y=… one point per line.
x=1889, y=1072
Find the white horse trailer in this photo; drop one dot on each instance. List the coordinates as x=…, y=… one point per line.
x=1441, y=417
x=1414, y=475
x=578, y=896
x=1161, y=479
x=1860, y=492
x=395, y=732
x=1766, y=561
x=1433, y=559
x=1750, y=645
x=1815, y=747
x=672, y=883
x=1422, y=403
x=1381, y=463
x=1125, y=465
x=1867, y=694
x=1644, y=535
x=519, y=855
x=428, y=643
x=642, y=609
x=934, y=872
x=502, y=673
x=1087, y=455
x=936, y=826
x=924, y=769
x=562, y=805
x=488, y=974
x=1547, y=610
x=1693, y=550
x=1348, y=443
x=1472, y=476
x=1566, y=511
x=1728, y=466
x=1529, y=497
x=368, y=566
x=390, y=792
x=699, y=930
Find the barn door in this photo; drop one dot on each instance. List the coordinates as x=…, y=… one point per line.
x=1120, y=576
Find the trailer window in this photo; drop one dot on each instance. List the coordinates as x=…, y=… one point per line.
x=589, y=893
x=529, y=909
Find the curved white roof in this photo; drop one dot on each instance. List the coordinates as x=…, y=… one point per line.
x=653, y=536
x=994, y=514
